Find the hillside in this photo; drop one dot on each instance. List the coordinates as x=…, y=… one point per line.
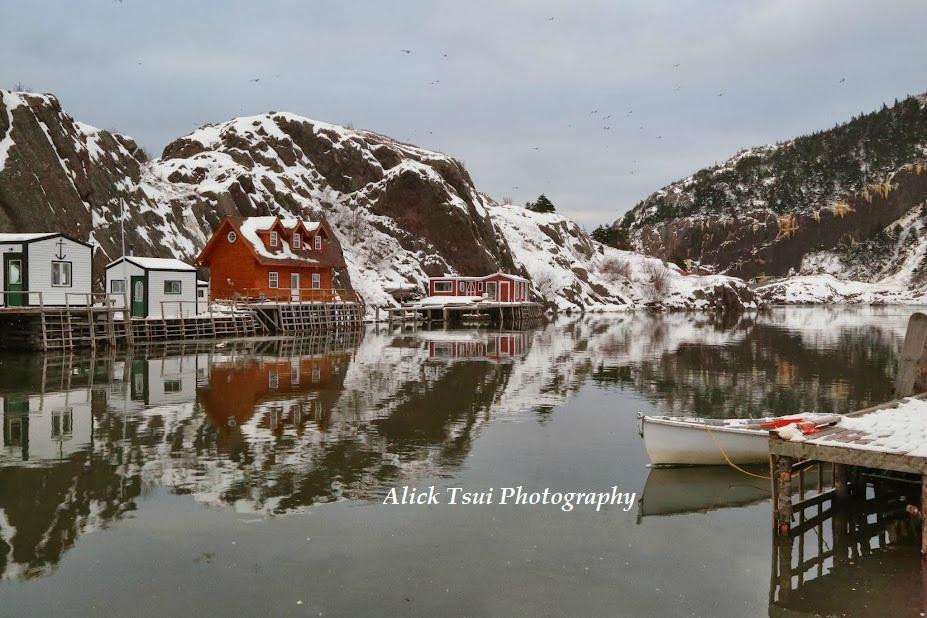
x=401, y=213
x=856, y=188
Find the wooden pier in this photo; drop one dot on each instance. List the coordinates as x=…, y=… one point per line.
x=508, y=314
x=96, y=320
x=859, y=458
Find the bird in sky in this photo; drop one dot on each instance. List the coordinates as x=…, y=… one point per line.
x=843, y=79
x=595, y=111
x=406, y=51
x=676, y=66
x=607, y=117
x=630, y=111
x=255, y=80
x=536, y=148
x=551, y=18
x=721, y=94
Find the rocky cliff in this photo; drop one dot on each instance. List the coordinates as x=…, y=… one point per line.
x=400, y=213
x=767, y=210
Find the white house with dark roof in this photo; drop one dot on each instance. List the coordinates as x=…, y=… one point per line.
x=154, y=287
x=44, y=268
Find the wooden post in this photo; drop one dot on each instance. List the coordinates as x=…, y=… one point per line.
x=841, y=490
x=783, y=504
x=912, y=364
x=923, y=516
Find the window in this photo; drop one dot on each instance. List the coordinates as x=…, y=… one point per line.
x=444, y=286
x=318, y=243
x=232, y=237
x=61, y=274
x=297, y=241
x=172, y=386
x=117, y=286
x=316, y=281
x=172, y=287
x=479, y=286
x=460, y=286
x=273, y=380
x=62, y=422
x=274, y=239
x=273, y=280
x=201, y=293
x=491, y=289
x=316, y=374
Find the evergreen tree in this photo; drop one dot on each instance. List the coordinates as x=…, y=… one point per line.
x=612, y=235
x=542, y=204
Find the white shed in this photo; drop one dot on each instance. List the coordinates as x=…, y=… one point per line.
x=158, y=287
x=44, y=268
x=202, y=296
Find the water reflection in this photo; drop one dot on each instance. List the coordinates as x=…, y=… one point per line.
x=862, y=559
x=274, y=426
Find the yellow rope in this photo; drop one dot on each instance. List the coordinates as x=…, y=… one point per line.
x=728, y=459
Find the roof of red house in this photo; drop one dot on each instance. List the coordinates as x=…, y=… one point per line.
x=249, y=229
x=482, y=278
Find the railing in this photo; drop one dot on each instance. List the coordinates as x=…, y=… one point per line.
x=23, y=297
x=183, y=308
x=300, y=295
x=95, y=299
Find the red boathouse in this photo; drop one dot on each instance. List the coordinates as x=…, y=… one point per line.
x=274, y=258
x=498, y=287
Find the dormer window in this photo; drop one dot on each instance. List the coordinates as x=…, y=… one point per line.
x=318, y=243
x=274, y=239
x=297, y=241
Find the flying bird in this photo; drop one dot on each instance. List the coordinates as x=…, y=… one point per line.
x=595, y=111
x=255, y=80
x=843, y=79
x=721, y=94
x=551, y=18
x=676, y=66
x=406, y=51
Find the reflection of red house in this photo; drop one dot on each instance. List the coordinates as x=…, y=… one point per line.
x=492, y=347
x=291, y=390
x=270, y=257
x=500, y=287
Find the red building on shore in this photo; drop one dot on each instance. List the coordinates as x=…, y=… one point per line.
x=498, y=287
x=274, y=258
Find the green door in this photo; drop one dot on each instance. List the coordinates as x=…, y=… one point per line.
x=13, y=279
x=139, y=298
x=16, y=424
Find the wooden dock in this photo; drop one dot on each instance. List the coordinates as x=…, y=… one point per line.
x=859, y=454
x=97, y=320
x=507, y=314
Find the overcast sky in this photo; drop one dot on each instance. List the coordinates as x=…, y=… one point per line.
x=518, y=90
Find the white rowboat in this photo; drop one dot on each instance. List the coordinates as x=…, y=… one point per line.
x=676, y=440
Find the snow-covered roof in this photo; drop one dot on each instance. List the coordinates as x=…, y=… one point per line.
x=26, y=237
x=483, y=278
x=202, y=283
x=250, y=226
x=153, y=263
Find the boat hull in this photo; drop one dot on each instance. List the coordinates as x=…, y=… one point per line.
x=680, y=443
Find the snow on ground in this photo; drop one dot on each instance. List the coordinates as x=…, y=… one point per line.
x=826, y=288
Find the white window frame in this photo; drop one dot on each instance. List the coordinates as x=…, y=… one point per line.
x=297, y=241
x=443, y=286
x=461, y=286
x=112, y=286
x=273, y=280
x=318, y=242
x=316, y=281
x=69, y=270
x=232, y=237
x=274, y=239
x=169, y=283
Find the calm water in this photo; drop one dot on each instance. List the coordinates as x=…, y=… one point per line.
x=248, y=477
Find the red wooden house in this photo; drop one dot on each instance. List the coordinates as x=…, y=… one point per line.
x=270, y=257
x=498, y=287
